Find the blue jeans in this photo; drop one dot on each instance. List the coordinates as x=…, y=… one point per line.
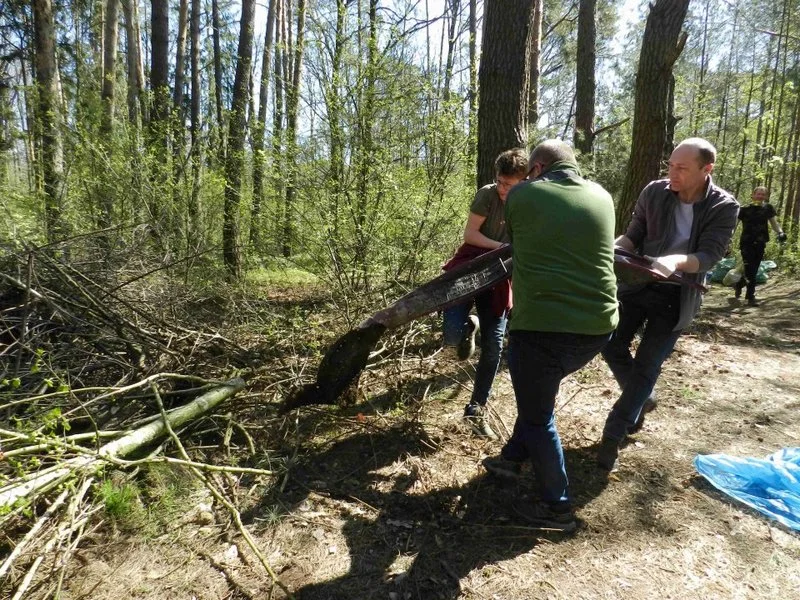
x=538, y=361
x=493, y=328
x=657, y=306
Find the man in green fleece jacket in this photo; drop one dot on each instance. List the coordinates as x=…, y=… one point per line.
x=562, y=233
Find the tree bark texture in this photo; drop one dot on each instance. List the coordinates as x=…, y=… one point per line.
x=110, y=39
x=661, y=46
x=584, y=80
x=502, y=118
x=234, y=161
x=48, y=117
x=292, y=107
x=534, y=63
x=137, y=104
x=159, y=62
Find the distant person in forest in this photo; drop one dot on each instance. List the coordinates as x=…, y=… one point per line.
x=684, y=223
x=565, y=307
x=485, y=230
x=755, y=235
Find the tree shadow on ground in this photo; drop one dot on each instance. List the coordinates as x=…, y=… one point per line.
x=421, y=541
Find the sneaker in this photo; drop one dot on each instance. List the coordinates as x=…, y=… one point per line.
x=607, y=453
x=544, y=516
x=649, y=406
x=476, y=420
x=502, y=467
x=466, y=347
x=752, y=302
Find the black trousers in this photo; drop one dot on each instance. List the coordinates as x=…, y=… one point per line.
x=752, y=255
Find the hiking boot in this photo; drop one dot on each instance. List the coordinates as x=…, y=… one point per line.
x=502, y=467
x=607, y=453
x=545, y=516
x=752, y=302
x=476, y=420
x=466, y=347
x=649, y=406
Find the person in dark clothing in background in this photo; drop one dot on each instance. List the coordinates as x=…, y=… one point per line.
x=755, y=235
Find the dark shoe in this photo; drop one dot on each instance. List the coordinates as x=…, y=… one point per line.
x=543, y=516
x=475, y=418
x=466, y=347
x=752, y=302
x=607, y=453
x=501, y=467
x=737, y=293
x=649, y=406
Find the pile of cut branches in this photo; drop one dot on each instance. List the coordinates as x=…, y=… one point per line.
x=95, y=374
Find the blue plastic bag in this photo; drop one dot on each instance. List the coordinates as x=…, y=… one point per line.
x=770, y=485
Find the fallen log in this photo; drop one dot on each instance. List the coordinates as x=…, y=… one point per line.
x=47, y=480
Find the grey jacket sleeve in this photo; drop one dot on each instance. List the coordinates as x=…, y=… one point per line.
x=714, y=240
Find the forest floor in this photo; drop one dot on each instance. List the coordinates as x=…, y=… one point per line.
x=388, y=499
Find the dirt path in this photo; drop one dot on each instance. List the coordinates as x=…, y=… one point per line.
x=389, y=499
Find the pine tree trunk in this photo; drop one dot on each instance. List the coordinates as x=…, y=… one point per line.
x=584, y=81
x=292, y=107
x=216, y=33
x=259, y=129
x=234, y=160
x=534, y=63
x=137, y=102
x=48, y=118
x=661, y=46
x=502, y=110
x=195, y=127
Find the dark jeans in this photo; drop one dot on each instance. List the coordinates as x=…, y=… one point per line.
x=493, y=327
x=657, y=306
x=752, y=255
x=538, y=361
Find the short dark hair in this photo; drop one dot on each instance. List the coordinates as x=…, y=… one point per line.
x=551, y=151
x=511, y=163
x=705, y=150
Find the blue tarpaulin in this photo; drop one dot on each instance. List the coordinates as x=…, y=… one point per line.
x=770, y=485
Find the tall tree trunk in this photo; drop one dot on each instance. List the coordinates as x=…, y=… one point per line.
x=502, y=111
x=699, y=100
x=259, y=128
x=292, y=106
x=110, y=39
x=48, y=118
x=178, y=121
x=661, y=46
x=234, y=161
x=180, y=62
x=216, y=25
x=452, y=40
x=366, y=149
x=584, y=77
x=743, y=154
x=472, y=148
x=159, y=65
x=137, y=101
x=534, y=62
x=334, y=103
x=162, y=213
x=195, y=127
x=278, y=113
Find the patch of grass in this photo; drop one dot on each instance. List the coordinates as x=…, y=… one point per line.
x=281, y=274
x=123, y=504
x=690, y=393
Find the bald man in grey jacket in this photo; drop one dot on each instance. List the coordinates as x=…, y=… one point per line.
x=684, y=223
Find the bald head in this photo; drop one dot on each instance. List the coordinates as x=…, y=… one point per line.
x=706, y=153
x=549, y=152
